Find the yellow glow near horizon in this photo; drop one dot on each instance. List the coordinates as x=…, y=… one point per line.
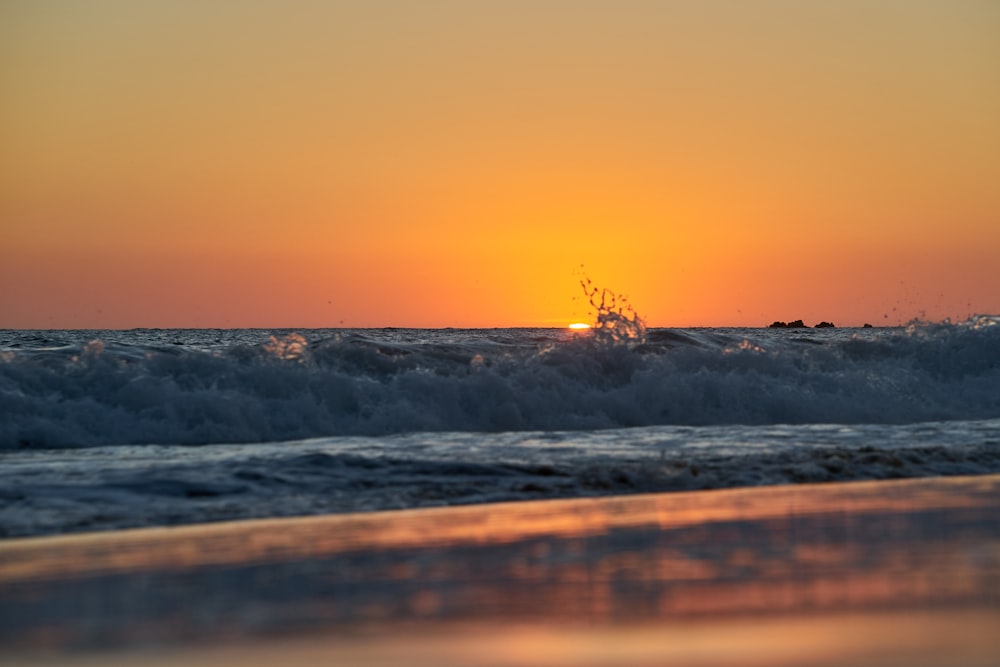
x=579, y=325
x=296, y=164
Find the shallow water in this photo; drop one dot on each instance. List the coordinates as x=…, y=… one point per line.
x=101, y=488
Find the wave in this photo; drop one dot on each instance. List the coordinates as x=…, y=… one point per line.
x=106, y=391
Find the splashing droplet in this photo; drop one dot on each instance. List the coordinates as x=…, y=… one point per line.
x=616, y=321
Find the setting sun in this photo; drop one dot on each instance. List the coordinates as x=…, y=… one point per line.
x=579, y=325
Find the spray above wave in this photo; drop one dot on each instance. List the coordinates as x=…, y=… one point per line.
x=615, y=321
x=382, y=382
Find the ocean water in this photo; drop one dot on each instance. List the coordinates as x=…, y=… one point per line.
x=112, y=429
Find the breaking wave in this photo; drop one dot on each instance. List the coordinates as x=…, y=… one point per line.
x=119, y=389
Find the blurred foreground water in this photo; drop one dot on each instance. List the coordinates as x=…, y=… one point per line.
x=894, y=572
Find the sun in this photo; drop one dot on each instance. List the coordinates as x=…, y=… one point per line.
x=579, y=325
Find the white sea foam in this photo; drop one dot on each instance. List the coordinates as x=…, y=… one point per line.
x=66, y=389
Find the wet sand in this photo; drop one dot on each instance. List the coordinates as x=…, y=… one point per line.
x=900, y=572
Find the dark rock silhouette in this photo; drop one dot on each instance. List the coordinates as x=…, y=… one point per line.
x=867, y=326
x=799, y=324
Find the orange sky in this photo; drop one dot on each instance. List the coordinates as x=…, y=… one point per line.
x=454, y=163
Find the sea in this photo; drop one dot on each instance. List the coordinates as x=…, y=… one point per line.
x=104, y=430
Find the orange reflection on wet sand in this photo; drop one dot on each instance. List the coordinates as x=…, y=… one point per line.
x=263, y=540
x=905, y=554
x=956, y=639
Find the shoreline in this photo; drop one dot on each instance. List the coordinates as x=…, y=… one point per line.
x=101, y=552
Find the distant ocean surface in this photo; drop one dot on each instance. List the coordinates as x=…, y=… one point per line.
x=112, y=429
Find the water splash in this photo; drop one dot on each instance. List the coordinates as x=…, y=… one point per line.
x=616, y=321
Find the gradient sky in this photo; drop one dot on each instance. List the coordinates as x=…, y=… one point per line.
x=455, y=163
